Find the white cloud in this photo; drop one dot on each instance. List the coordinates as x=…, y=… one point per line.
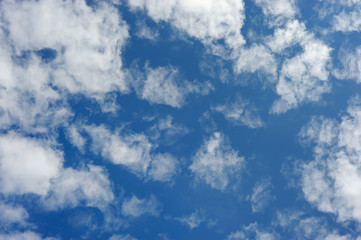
x=193, y=220
x=252, y=231
x=298, y=225
x=204, y=20
x=303, y=78
x=38, y=169
x=87, y=46
x=331, y=180
x=164, y=85
x=351, y=63
x=133, y=151
x=348, y=22
x=89, y=186
x=122, y=237
x=29, y=170
x=284, y=8
x=12, y=214
x=256, y=58
x=135, y=207
x=240, y=112
x=292, y=33
x=216, y=163
x=28, y=235
x=163, y=167
x=166, y=131
x=261, y=195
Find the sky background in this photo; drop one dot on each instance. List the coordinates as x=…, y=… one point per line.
x=180, y=119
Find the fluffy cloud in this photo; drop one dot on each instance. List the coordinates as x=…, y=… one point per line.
x=135, y=207
x=164, y=85
x=10, y=214
x=261, y=195
x=133, y=151
x=87, y=46
x=331, y=180
x=89, y=187
x=48, y=46
x=252, y=231
x=303, y=78
x=351, y=63
x=216, y=163
x=240, y=112
x=38, y=169
x=28, y=235
x=193, y=220
x=256, y=58
x=29, y=170
x=284, y=8
x=204, y=20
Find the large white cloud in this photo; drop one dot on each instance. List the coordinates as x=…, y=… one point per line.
x=331, y=180
x=85, y=44
x=27, y=165
x=208, y=21
x=31, y=166
x=216, y=163
x=303, y=78
x=87, y=41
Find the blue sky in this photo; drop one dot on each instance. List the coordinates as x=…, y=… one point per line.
x=180, y=119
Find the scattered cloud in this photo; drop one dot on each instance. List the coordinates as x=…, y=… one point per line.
x=240, y=112
x=261, y=195
x=89, y=186
x=133, y=151
x=29, y=170
x=193, y=220
x=27, y=235
x=252, y=231
x=216, y=163
x=330, y=181
x=165, y=85
x=12, y=214
x=122, y=237
x=135, y=207
x=202, y=20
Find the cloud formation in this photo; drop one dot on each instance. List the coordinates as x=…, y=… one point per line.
x=216, y=163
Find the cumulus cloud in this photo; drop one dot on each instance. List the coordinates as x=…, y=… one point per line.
x=303, y=78
x=38, y=169
x=122, y=237
x=331, y=180
x=216, y=163
x=135, y=207
x=256, y=58
x=89, y=187
x=29, y=170
x=300, y=226
x=240, y=112
x=284, y=8
x=261, y=195
x=87, y=46
x=351, y=65
x=28, y=235
x=165, y=85
x=204, y=20
x=193, y=220
x=252, y=231
x=12, y=214
x=133, y=151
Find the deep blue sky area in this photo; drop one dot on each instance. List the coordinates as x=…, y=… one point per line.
x=203, y=119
